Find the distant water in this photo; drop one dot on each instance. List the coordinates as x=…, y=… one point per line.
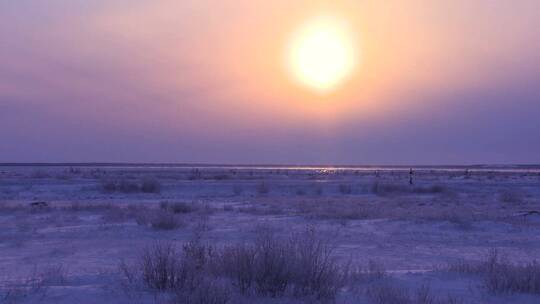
x=147, y=166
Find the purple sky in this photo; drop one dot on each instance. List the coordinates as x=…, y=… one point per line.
x=441, y=82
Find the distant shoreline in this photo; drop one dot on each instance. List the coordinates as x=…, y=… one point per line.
x=209, y=165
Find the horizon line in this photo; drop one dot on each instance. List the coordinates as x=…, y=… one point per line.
x=187, y=164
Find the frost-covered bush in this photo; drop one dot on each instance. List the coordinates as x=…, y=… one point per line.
x=512, y=197
x=150, y=185
x=345, y=189
x=262, y=189
x=502, y=276
x=180, y=207
x=146, y=185
x=300, y=266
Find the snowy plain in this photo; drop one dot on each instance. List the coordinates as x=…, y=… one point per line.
x=65, y=231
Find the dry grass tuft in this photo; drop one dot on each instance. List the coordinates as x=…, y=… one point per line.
x=300, y=266
x=501, y=276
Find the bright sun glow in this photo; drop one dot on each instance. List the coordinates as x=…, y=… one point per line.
x=322, y=54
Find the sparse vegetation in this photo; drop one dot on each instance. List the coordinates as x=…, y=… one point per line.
x=501, y=276
x=283, y=266
x=159, y=219
x=345, y=189
x=300, y=266
x=146, y=185
x=383, y=189
x=387, y=292
x=34, y=287
x=180, y=207
x=150, y=185
x=262, y=188
x=237, y=190
x=512, y=197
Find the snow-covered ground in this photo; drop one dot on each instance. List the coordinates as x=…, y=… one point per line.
x=64, y=231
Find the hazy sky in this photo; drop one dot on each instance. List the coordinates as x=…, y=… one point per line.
x=438, y=82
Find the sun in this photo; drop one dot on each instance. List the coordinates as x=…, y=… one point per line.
x=322, y=54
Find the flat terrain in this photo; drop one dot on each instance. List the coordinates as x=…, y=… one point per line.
x=66, y=231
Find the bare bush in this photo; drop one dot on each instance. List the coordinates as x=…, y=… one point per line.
x=512, y=197
x=319, y=190
x=147, y=185
x=150, y=185
x=514, y=278
x=373, y=271
x=383, y=189
x=209, y=290
x=160, y=267
x=386, y=292
x=502, y=276
x=34, y=287
x=262, y=188
x=388, y=189
x=316, y=272
x=54, y=275
x=237, y=190
x=300, y=265
x=159, y=219
x=127, y=186
x=221, y=177
x=186, y=273
x=108, y=186
x=166, y=221
x=476, y=267
x=344, y=212
x=180, y=207
x=195, y=174
x=78, y=206
x=345, y=189
x=39, y=173
x=429, y=189
x=129, y=277
x=238, y=263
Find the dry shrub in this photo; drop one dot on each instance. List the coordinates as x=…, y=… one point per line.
x=78, y=207
x=396, y=189
x=388, y=189
x=162, y=269
x=371, y=272
x=348, y=212
x=237, y=190
x=345, y=189
x=127, y=186
x=386, y=292
x=209, y=290
x=146, y=185
x=262, y=188
x=512, y=197
x=159, y=219
x=35, y=286
x=180, y=207
x=430, y=189
x=301, y=266
x=502, y=276
x=186, y=273
x=150, y=185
